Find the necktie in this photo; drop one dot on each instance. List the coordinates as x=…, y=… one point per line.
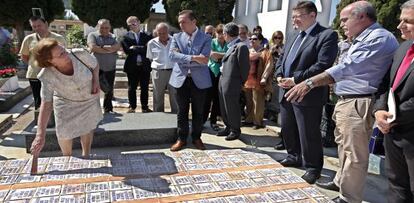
x=292, y=53
x=405, y=64
x=139, y=58
x=190, y=50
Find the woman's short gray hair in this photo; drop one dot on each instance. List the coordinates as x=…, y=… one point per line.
x=231, y=29
x=408, y=4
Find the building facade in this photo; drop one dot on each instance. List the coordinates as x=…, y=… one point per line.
x=275, y=15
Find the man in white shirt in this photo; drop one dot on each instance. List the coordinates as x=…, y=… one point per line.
x=157, y=51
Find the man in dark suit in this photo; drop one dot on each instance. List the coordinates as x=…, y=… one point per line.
x=137, y=66
x=357, y=79
x=233, y=75
x=399, y=134
x=307, y=53
x=190, y=50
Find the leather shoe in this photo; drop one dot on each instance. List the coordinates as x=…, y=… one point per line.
x=224, y=132
x=290, y=163
x=179, y=145
x=311, y=176
x=199, y=144
x=146, y=110
x=280, y=146
x=214, y=126
x=248, y=124
x=232, y=136
x=131, y=110
x=339, y=200
x=329, y=186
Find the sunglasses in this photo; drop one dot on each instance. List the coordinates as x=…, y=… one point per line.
x=253, y=38
x=277, y=37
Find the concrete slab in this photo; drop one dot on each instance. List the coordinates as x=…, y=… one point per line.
x=120, y=130
x=21, y=107
x=10, y=99
x=5, y=122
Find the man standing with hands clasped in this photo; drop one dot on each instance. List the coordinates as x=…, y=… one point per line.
x=137, y=66
x=307, y=53
x=190, y=49
x=399, y=139
x=233, y=75
x=357, y=79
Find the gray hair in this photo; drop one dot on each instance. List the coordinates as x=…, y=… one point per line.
x=103, y=21
x=244, y=26
x=231, y=29
x=408, y=4
x=162, y=25
x=364, y=7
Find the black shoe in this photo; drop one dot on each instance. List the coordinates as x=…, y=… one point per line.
x=232, y=136
x=280, y=146
x=290, y=163
x=247, y=124
x=214, y=126
x=329, y=186
x=224, y=132
x=146, y=110
x=311, y=176
x=339, y=200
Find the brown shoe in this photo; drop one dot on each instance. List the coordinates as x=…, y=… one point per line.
x=179, y=145
x=199, y=144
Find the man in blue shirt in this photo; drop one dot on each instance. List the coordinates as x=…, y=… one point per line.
x=357, y=79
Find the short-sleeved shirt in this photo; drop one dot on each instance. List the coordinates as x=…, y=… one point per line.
x=29, y=42
x=216, y=47
x=158, y=53
x=107, y=61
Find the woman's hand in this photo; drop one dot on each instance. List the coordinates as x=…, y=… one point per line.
x=95, y=86
x=37, y=145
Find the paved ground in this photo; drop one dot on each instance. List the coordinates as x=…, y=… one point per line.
x=261, y=141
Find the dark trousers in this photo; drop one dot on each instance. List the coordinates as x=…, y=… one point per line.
x=212, y=101
x=301, y=134
x=399, y=164
x=108, y=96
x=186, y=94
x=36, y=85
x=142, y=77
x=230, y=111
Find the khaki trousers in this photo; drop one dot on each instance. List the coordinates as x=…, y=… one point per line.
x=255, y=103
x=352, y=133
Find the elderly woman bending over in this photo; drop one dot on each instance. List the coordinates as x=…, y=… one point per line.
x=70, y=83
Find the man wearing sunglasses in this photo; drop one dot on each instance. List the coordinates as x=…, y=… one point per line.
x=137, y=66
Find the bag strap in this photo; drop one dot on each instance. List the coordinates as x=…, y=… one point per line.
x=89, y=68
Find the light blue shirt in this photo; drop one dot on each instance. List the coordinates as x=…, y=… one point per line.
x=366, y=62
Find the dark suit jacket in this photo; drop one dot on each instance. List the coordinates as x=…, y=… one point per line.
x=317, y=53
x=131, y=60
x=404, y=97
x=235, y=69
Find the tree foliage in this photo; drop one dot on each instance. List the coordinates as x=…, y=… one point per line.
x=17, y=13
x=90, y=11
x=208, y=12
x=75, y=37
x=388, y=13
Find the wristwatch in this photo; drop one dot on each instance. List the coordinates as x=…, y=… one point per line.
x=309, y=83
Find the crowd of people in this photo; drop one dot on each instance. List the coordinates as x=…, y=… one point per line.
x=229, y=73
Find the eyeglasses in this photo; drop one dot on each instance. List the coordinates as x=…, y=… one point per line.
x=133, y=24
x=277, y=37
x=253, y=39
